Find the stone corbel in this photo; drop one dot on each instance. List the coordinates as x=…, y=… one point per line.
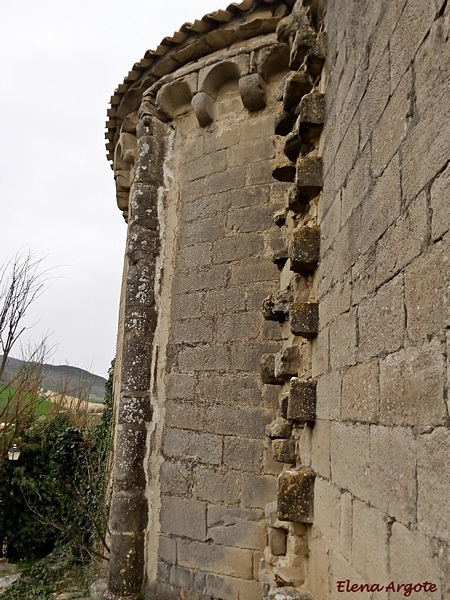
x=204, y=109
x=253, y=92
x=124, y=157
x=174, y=98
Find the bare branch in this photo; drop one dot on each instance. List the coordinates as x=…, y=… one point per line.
x=22, y=281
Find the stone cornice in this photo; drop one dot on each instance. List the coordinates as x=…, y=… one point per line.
x=193, y=41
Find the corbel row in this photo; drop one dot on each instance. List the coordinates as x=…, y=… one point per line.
x=198, y=90
x=298, y=128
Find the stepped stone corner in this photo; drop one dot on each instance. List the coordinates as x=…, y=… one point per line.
x=282, y=370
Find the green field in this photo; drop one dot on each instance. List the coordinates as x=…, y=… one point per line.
x=96, y=399
x=43, y=407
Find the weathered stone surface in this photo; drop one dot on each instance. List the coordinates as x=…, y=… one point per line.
x=296, y=86
x=284, y=450
x=308, y=182
x=301, y=404
x=412, y=386
x=327, y=508
x=288, y=593
x=343, y=340
x=203, y=108
x=135, y=410
x=311, y=111
x=350, y=458
x=129, y=466
x=235, y=419
x=360, y=392
x=214, y=485
x=440, y=205
x=303, y=43
x=252, y=90
x=243, y=454
x=382, y=320
x=232, y=526
x=183, y=517
x=287, y=362
x=127, y=557
x=279, y=428
x=276, y=306
x=304, y=249
x=268, y=370
x=276, y=538
x=320, y=448
x=292, y=147
x=258, y=490
x=236, y=562
x=370, y=553
x=427, y=292
x=97, y=588
x=393, y=472
x=304, y=318
x=413, y=557
x=192, y=445
x=433, y=484
x=295, y=495
x=128, y=512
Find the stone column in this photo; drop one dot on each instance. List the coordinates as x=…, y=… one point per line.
x=129, y=510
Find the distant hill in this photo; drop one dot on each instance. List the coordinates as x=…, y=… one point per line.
x=65, y=378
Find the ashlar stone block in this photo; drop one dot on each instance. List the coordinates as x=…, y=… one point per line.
x=312, y=109
x=279, y=428
x=284, y=450
x=276, y=306
x=311, y=115
x=304, y=319
x=296, y=495
x=252, y=90
x=287, y=362
x=296, y=86
x=276, y=538
x=304, y=249
x=268, y=370
x=308, y=182
x=301, y=405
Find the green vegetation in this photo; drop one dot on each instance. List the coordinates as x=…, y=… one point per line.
x=58, y=508
x=54, y=573
x=96, y=399
x=8, y=402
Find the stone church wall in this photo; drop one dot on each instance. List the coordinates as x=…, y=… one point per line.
x=282, y=374
x=381, y=450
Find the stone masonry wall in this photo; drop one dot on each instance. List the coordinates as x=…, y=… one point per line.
x=300, y=260
x=381, y=441
x=362, y=368
x=216, y=474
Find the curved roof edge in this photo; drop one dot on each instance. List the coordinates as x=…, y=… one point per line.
x=188, y=33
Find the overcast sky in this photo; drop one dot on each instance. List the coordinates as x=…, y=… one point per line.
x=60, y=62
